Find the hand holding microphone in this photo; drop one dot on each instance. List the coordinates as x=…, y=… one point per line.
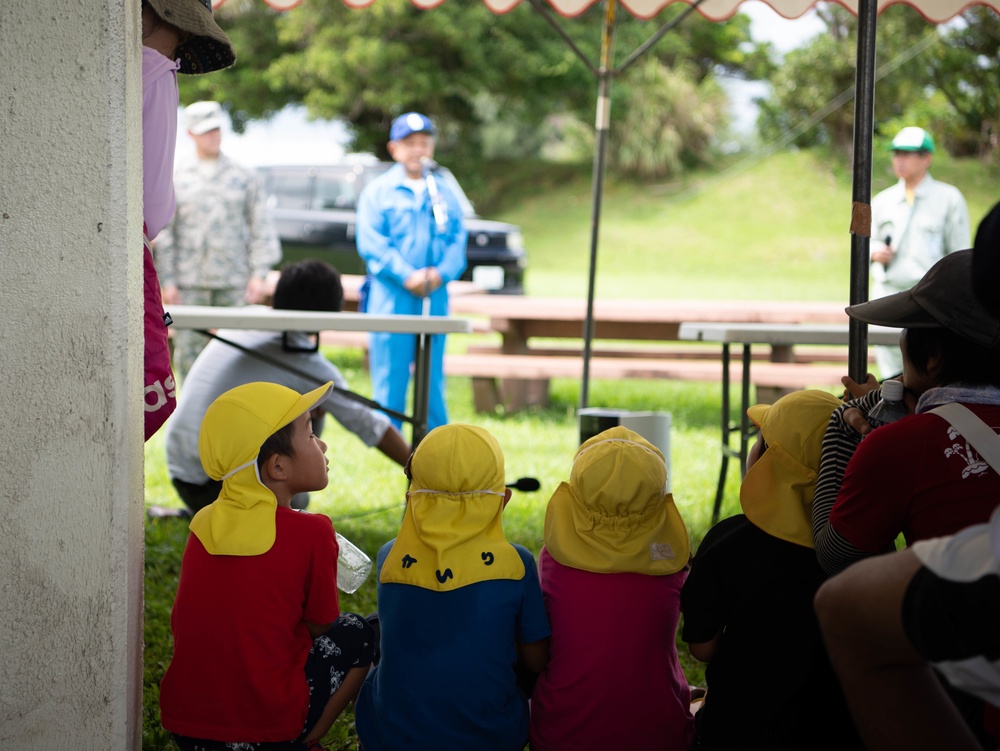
x=885, y=254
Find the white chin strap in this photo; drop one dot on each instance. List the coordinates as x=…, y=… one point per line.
x=240, y=468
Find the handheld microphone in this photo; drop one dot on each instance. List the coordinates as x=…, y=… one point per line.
x=438, y=205
x=525, y=484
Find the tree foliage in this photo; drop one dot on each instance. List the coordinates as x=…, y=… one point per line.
x=669, y=122
x=966, y=72
x=945, y=79
x=467, y=67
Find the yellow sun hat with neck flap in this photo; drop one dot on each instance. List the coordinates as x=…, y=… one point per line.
x=614, y=515
x=777, y=492
x=452, y=535
x=241, y=520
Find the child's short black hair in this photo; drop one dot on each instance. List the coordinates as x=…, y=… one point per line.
x=309, y=285
x=279, y=442
x=962, y=361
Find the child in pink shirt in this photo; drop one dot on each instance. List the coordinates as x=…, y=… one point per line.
x=614, y=561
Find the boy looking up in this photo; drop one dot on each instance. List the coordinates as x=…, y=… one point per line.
x=262, y=653
x=307, y=285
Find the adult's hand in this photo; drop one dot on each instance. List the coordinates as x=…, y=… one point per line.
x=883, y=255
x=256, y=290
x=171, y=295
x=423, y=281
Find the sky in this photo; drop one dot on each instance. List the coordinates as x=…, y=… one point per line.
x=786, y=34
x=290, y=138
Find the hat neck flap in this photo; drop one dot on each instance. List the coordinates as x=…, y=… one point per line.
x=451, y=540
x=241, y=521
x=653, y=541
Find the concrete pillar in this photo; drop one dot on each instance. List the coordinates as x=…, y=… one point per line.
x=71, y=462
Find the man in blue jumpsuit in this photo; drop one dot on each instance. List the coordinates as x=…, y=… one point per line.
x=412, y=240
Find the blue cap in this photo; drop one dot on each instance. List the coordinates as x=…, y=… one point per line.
x=410, y=123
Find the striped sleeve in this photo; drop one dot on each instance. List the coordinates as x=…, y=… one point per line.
x=833, y=551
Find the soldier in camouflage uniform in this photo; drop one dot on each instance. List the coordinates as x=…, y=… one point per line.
x=221, y=242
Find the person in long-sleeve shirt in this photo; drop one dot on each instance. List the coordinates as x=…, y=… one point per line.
x=221, y=242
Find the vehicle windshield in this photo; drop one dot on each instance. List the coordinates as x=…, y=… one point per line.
x=338, y=186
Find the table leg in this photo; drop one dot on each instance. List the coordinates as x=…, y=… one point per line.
x=421, y=387
x=744, y=419
x=726, y=428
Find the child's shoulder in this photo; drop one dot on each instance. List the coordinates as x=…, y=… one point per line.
x=289, y=521
x=727, y=529
x=526, y=555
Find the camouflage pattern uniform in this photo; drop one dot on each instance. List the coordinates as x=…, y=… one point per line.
x=220, y=236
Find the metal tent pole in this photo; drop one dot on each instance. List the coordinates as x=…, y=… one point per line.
x=602, y=124
x=864, y=107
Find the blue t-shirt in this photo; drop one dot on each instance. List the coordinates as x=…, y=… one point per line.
x=446, y=676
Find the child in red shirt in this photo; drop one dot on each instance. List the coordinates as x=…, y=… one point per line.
x=263, y=657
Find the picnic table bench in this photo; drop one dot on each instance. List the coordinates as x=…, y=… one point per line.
x=518, y=381
x=541, y=339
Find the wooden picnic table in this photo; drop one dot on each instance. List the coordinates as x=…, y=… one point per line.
x=519, y=318
x=638, y=339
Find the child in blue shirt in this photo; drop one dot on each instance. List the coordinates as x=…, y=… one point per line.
x=459, y=608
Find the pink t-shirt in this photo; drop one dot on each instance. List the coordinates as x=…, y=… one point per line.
x=613, y=678
x=159, y=138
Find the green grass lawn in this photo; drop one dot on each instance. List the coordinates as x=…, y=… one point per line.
x=775, y=231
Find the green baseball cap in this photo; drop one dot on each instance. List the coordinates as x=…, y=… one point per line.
x=912, y=139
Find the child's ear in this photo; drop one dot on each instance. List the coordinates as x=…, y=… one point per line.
x=506, y=497
x=274, y=468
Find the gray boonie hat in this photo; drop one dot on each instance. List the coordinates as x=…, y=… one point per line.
x=942, y=299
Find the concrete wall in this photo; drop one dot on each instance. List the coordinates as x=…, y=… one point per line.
x=71, y=482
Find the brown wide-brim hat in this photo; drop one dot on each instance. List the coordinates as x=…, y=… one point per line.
x=208, y=48
x=943, y=298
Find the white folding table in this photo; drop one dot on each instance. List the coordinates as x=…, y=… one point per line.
x=777, y=335
x=205, y=318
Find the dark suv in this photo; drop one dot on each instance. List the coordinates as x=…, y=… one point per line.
x=314, y=210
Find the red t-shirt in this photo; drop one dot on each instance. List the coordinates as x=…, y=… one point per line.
x=915, y=476
x=240, y=643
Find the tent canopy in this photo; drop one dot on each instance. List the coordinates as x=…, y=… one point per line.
x=935, y=11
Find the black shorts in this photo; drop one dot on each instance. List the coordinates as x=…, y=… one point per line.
x=948, y=621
